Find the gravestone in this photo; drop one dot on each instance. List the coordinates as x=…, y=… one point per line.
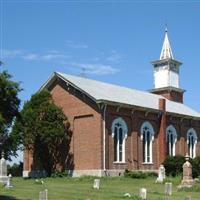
x=143, y=193
x=96, y=184
x=3, y=170
x=187, y=180
x=8, y=184
x=188, y=198
x=127, y=195
x=161, y=174
x=43, y=195
x=168, y=189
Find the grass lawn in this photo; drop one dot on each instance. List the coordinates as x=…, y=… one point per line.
x=81, y=189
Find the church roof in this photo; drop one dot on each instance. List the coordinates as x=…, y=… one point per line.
x=104, y=92
x=166, y=51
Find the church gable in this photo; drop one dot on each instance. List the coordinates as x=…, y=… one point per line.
x=85, y=121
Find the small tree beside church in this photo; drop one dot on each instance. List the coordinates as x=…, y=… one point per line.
x=43, y=128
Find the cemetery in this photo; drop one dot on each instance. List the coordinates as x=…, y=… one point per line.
x=101, y=188
x=118, y=188
x=141, y=186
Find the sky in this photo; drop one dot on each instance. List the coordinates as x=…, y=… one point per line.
x=110, y=41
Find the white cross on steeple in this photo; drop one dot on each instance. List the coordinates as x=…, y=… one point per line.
x=166, y=51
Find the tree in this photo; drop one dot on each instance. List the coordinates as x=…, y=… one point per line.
x=43, y=128
x=9, y=109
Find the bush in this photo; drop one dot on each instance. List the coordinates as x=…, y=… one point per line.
x=139, y=174
x=16, y=169
x=174, y=165
x=196, y=167
x=59, y=174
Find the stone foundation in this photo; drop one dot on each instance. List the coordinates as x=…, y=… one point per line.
x=79, y=173
x=34, y=174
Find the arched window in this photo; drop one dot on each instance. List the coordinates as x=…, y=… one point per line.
x=171, y=137
x=119, y=133
x=192, y=142
x=147, y=136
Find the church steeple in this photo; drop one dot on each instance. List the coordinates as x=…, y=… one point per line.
x=166, y=73
x=166, y=51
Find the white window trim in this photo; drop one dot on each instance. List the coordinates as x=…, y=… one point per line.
x=125, y=135
x=191, y=130
x=174, y=133
x=151, y=130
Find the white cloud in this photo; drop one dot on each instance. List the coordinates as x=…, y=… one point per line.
x=11, y=53
x=48, y=56
x=98, y=69
x=30, y=56
x=114, y=57
x=74, y=45
x=45, y=57
x=53, y=56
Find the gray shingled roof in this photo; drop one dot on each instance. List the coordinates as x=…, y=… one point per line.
x=101, y=91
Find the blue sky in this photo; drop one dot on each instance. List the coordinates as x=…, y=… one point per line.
x=114, y=41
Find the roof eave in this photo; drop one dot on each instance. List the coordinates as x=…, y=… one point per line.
x=113, y=103
x=76, y=87
x=57, y=75
x=48, y=82
x=184, y=116
x=166, y=60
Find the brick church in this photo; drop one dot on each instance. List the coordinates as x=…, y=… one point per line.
x=116, y=128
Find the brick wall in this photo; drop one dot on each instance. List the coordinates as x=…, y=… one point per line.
x=171, y=95
x=133, y=144
x=85, y=120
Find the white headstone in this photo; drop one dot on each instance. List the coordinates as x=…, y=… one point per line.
x=161, y=174
x=168, y=189
x=143, y=193
x=3, y=170
x=3, y=166
x=43, y=195
x=8, y=184
x=127, y=195
x=96, y=184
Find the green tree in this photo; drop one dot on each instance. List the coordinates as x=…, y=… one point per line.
x=43, y=128
x=9, y=109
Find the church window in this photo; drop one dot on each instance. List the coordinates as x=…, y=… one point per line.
x=192, y=142
x=171, y=137
x=119, y=134
x=147, y=137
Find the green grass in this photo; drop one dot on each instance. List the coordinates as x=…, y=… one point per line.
x=81, y=189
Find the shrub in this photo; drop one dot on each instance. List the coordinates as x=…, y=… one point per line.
x=174, y=165
x=138, y=174
x=196, y=167
x=59, y=174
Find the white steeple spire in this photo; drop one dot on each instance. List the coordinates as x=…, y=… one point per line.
x=166, y=51
x=166, y=69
